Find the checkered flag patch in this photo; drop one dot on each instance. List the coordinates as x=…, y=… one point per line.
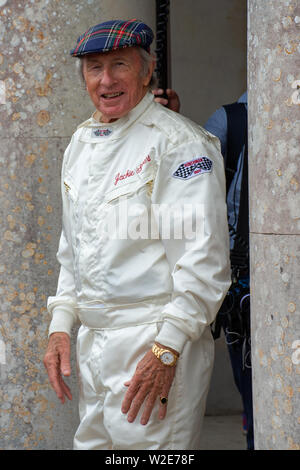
x=192, y=168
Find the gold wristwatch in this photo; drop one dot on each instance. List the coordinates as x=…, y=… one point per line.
x=166, y=357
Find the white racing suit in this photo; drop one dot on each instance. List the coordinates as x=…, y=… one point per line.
x=133, y=272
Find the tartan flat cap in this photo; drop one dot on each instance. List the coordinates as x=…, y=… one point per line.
x=113, y=35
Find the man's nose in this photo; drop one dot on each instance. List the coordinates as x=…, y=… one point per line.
x=107, y=77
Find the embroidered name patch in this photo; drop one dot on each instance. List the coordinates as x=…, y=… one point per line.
x=192, y=168
x=129, y=173
x=100, y=132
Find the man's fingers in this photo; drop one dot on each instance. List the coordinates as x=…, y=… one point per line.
x=65, y=366
x=158, y=91
x=164, y=394
x=129, y=396
x=56, y=385
x=136, y=404
x=162, y=101
x=150, y=402
x=162, y=408
x=158, y=96
x=66, y=390
x=59, y=386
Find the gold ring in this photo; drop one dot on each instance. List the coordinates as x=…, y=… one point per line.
x=163, y=400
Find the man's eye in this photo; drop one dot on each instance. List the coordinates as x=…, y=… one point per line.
x=94, y=67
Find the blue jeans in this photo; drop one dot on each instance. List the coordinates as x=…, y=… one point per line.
x=234, y=318
x=239, y=352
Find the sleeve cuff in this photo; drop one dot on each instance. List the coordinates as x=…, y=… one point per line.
x=171, y=336
x=62, y=321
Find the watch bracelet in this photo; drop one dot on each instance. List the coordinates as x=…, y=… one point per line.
x=157, y=350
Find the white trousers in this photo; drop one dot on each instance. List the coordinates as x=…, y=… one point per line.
x=106, y=358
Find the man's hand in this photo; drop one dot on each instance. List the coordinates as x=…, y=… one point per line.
x=151, y=380
x=172, y=102
x=57, y=363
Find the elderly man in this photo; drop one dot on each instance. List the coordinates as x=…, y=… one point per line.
x=145, y=301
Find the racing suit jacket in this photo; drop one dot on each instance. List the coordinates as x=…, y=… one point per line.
x=151, y=158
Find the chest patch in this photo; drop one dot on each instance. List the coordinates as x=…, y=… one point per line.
x=131, y=172
x=192, y=168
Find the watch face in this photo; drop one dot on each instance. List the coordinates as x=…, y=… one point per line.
x=167, y=358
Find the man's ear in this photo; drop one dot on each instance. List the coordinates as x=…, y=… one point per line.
x=148, y=77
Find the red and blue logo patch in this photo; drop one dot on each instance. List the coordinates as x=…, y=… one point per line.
x=194, y=167
x=100, y=132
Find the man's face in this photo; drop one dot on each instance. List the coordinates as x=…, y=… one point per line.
x=114, y=81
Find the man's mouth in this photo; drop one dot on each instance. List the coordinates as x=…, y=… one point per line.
x=109, y=96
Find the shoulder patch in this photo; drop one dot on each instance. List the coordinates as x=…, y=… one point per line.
x=195, y=167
